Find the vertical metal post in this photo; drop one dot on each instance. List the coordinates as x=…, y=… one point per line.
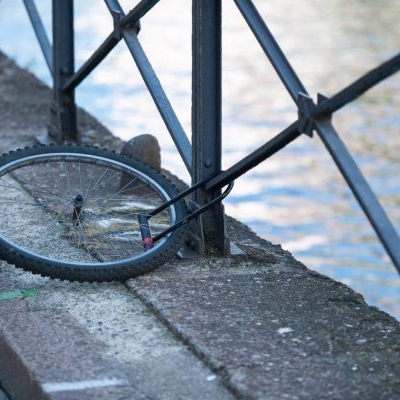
x=63, y=119
x=206, y=113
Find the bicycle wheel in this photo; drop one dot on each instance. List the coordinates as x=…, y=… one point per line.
x=71, y=212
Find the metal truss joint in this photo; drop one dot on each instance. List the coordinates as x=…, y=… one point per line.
x=117, y=18
x=306, y=108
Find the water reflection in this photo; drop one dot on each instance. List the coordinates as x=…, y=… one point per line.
x=297, y=198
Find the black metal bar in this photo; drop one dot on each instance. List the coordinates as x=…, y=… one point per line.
x=139, y=11
x=180, y=196
x=40, y=32
x=271, y=48
x=63, y=117
x=206, y=89
x=96, y=58
x=256, y=157
x=113, y=5
x=194, y=214
x=160, y=98
x=358, y=87
x=206, y=113
x=362, y=191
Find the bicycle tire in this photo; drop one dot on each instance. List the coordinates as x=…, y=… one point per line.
x=70, y=212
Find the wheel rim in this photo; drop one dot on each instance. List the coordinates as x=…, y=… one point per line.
x=78, y=208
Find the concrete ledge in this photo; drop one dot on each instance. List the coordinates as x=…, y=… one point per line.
x=49, y=356
x=71, y=340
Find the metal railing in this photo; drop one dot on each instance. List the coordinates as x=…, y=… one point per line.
x=203, y=157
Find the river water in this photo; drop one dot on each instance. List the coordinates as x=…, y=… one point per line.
x=296, y=198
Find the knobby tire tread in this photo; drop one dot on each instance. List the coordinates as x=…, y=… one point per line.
x=120, y=272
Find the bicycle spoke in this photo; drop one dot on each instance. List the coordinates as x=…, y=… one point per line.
x=44, y=190
x=66, y=173
x=53, y=176
x=91, y=187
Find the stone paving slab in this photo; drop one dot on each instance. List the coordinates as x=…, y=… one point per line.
x=47, y=355
x=117, y=328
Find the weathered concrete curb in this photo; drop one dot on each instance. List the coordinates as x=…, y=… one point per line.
x=50, y=356
x=102, y=322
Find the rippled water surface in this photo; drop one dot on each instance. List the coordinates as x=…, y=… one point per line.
x=296, y=198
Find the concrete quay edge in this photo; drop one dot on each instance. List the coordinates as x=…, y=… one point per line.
x=253, y=326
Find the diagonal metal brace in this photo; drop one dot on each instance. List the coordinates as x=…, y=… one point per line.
x=361, y=190
x=358, y=87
